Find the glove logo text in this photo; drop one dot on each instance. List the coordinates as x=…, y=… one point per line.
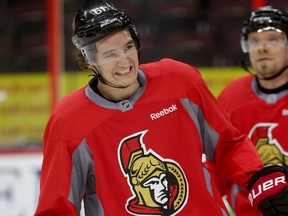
x=265, y=186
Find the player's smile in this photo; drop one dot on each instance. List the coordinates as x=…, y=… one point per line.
x=124, y=72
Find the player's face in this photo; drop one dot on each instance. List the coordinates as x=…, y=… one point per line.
x=117, y=59
x=268, y=52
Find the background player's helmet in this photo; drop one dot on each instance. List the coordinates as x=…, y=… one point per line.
x=264, y=19
x=98, y=21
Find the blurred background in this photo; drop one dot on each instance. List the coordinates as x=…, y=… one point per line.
x=37, y=68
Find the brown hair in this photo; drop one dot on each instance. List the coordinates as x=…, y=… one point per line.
x=80, y=59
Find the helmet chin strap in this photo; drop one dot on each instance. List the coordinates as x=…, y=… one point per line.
x=105, y=82
x=244, y=65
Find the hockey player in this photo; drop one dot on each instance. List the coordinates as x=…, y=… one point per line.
x=131, y=141
x=258, y=103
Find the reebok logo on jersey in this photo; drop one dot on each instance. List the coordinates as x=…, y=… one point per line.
x=163, y=112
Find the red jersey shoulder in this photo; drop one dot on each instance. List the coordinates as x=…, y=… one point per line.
x=171, y=71
x=76, y=115
x=240, y=84
x=71, y=103
x=236, y=92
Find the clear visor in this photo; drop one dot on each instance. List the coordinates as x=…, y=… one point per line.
x=110, y=49
x=271, y=41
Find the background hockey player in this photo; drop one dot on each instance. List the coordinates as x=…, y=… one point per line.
x=258, y=104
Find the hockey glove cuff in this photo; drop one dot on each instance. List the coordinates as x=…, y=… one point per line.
x=268, y=189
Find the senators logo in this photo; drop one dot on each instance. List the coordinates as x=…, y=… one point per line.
x=159, y=186
x=268, y=148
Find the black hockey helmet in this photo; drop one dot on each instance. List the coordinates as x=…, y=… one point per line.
x=98, y=21
x=263, y=19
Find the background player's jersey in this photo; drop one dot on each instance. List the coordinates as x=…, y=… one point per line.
x=264, y=117
x=142, y=156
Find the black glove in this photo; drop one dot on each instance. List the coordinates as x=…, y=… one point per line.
x=276, y=205
x=268, y=189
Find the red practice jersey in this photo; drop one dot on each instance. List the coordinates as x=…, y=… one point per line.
x=142, y=156
x=264, y=118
